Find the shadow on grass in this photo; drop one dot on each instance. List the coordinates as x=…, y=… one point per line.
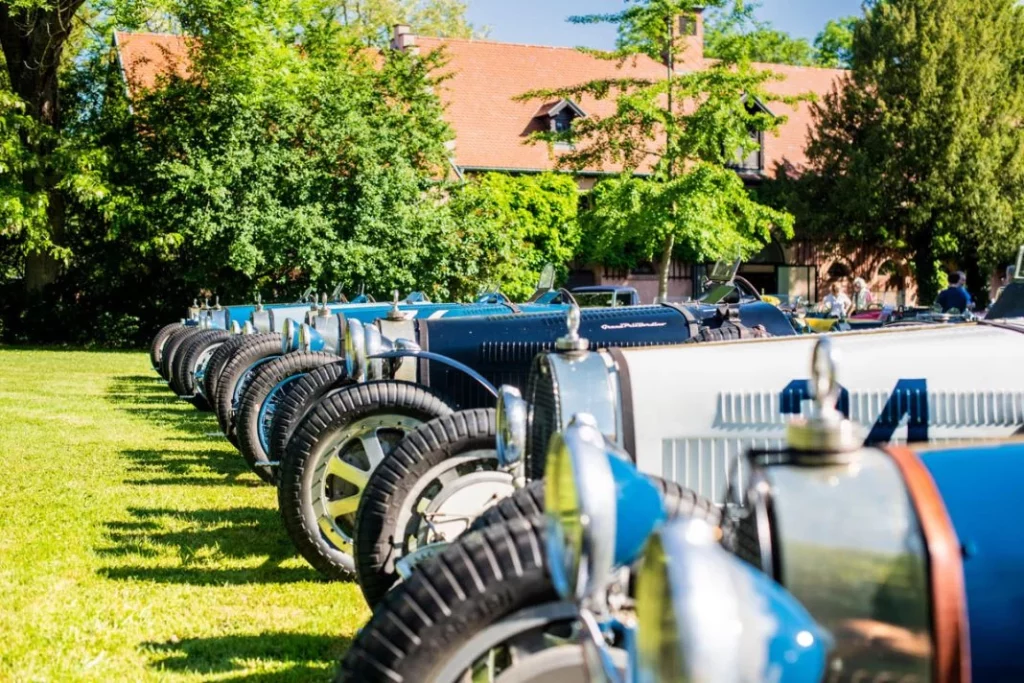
x=209, y=467
x=298, y=656
x=209, y=545
x=151, y=399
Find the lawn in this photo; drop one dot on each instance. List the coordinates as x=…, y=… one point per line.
x=134, y=543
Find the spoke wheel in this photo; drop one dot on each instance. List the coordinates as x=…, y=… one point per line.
x=344, y=468
x=200, y=369
x=269, y=407
x=535, y=644
x=446, y=501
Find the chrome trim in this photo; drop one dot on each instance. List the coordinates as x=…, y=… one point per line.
x=512, y=414
x=580, y=504
x=330, y=329
x=289, y=336
x=355, y=351
x=261, y=321
x=589, y=383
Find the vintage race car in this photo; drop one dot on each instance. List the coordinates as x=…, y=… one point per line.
x=510, y=589
x=870, y=564
x=687, y=412
x=450, y=364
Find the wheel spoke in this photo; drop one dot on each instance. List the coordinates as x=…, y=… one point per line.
x=448, y=476
x=373, y=448
x=342, y=506
x=347, y=472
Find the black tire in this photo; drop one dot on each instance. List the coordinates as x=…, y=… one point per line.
x=156, y=347
x=525, y=503
x=182, y=380
x=266, y=378
x=236, y=373
x=400, y=407
x=303, y=396
x=381, y=534
x=479, y=580
x=211, y=380
x=171, y=346
x=677, y=501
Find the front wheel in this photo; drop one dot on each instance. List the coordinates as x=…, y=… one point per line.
x=329, y=460
x=271, y=383
x=484, y=609
x=440, y=478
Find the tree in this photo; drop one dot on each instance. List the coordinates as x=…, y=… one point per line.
x=33, y=34
x=684, y=130
x=373, y=19
x=34, y=37
x=922, y=150
x=761, y=42
x=834, y=45
x=510, y=227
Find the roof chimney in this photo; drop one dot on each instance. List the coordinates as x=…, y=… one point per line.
x=691, y=28
x=404, y=39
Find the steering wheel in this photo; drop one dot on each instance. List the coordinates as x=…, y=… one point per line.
x=740, y=280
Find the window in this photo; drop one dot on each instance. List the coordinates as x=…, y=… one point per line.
x=754, y=161
x=558, y=116
x=562, y=123
x=687, y=25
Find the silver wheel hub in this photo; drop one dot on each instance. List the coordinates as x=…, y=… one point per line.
x=199, y=371
x=344, y=467
x=446, y=499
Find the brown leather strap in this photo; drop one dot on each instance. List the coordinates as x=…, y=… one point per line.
x=946, y=570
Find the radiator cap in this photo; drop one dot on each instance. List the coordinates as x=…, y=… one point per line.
x=572, y=341
x=827, y=432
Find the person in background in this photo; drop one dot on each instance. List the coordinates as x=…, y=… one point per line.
x=861, y=295
x=1011, y=272
x=836, y=304
x=955, y=296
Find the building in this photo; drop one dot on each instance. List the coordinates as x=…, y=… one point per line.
x=492, y=126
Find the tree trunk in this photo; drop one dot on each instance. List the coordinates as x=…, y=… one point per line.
x=664, y=267
x=33, y=42
x=925, y=271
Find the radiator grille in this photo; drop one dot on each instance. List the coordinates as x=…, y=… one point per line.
x=545, y=416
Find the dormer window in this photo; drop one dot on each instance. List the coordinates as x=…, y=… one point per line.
x=753, y=161
x=558, y=116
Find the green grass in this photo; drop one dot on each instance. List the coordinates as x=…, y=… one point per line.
x=134, y=543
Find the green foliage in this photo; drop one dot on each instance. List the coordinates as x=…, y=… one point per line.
x=834, y=45
x=923, y=151
x=22, y=210
x=292, y=155
x=372, y=20
x=684, y=130
x=739, y=29
x=510, y=227
x=706, y=211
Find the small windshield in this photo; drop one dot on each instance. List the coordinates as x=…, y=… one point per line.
x=601, y=299
x=721, y=294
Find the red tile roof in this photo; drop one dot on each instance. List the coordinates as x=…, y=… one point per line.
x=144, y=57
x=490, y=125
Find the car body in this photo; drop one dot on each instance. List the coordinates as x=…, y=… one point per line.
x=500, y=349
x=684, y=418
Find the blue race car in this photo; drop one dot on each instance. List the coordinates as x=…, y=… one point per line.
x=410, y=371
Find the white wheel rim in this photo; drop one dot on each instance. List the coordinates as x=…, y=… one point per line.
x=348, y=458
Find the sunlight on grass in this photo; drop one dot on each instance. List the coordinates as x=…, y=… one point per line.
x=135, y=547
